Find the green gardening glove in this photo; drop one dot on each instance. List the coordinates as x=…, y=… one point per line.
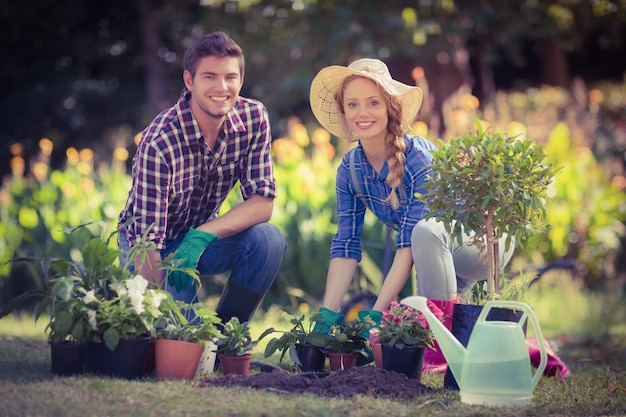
x=192, y=246
x=330, y=318
x=376, y=317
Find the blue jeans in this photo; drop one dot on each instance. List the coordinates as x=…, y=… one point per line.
x=443, y=267
x=253, y=256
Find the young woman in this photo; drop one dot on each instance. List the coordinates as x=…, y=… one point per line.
x=384, y=173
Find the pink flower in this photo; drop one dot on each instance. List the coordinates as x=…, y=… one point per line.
x=374, y=332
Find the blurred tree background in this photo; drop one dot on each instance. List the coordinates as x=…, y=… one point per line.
x=88, y=75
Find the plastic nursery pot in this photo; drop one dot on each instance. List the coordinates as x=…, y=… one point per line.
x=67, y=358
x=311, y=357
x=407, y=361
x=94, y=358
x=464, y=317
x=128, y=360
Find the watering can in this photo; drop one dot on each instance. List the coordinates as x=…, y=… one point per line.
x=495, y=368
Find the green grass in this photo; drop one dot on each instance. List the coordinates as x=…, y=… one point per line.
x=589, y=329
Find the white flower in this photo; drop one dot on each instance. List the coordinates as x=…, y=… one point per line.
x=157, y=298
x=119, y=288
x=137, y=285
x=136, y=300
x=92, y=319
x=90, y=297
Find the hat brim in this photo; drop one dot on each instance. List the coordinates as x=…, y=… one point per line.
x=326, y=110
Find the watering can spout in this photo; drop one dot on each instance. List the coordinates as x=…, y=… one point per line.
x=452, y=349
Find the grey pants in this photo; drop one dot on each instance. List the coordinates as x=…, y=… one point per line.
x=443, y=267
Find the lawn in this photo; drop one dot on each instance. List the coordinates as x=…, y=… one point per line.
x=588, y=331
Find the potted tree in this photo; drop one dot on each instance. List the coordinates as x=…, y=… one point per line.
x=347, y=342
x=234, y=347
x=303, y=344
x=181, y=333
x=487, y=185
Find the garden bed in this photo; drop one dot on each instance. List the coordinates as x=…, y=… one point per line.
x=367, y=380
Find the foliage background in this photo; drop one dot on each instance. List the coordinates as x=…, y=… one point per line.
x=86, y=76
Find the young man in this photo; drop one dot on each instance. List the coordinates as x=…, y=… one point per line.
x=188, y=160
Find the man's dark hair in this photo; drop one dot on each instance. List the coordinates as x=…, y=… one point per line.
x=213, y=44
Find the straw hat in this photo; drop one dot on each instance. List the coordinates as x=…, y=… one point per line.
x=329, y=79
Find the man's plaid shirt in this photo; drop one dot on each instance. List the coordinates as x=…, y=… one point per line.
x=178, y=182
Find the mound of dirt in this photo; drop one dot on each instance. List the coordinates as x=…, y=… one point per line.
x=367, y=380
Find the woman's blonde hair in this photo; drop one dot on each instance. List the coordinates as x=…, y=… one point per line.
x=394, y=140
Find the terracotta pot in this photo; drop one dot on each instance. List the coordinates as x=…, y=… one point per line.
x=407, y=361
x=67, y=358
x=378, y=354
x=237, y=365
x=339, y=361
x=311, y=357
x=176, y=359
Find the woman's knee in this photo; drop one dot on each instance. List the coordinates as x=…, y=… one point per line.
x=429, y=234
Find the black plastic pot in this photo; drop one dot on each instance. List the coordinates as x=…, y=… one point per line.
x=94, y=358
x=311, y=357
x=464, y=317
x=128, y=360
x=67, y=358
x=407, y=361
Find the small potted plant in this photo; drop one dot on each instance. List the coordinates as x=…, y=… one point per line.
x=70, y=325
x=347, y=342
x=303, y=344
x=127, y=321
x=181, y=333
x=234, y=347
x=404, y=335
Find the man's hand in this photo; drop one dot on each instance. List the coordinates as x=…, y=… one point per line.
x=190, y=250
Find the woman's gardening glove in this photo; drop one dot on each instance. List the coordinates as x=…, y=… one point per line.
x=376, y=317
x=190, y=249
x=329, y=318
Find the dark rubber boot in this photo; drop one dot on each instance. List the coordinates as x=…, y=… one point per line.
x=237, y=301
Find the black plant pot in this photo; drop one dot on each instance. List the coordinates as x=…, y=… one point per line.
x=407, y=361
x=150, y=358
x=311, y=357
x=128, y=360
x=67, y=358
x=94, y=358
x=464, y=318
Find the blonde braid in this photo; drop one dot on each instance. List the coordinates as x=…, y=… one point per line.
x=396, y=146
x=395, y=162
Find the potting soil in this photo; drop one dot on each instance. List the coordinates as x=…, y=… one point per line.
x=367, y=380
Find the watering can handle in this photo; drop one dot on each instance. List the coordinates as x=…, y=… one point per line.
x=528, y=312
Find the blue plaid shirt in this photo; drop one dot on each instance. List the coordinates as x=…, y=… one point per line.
x=351, y=210
x=178, y=182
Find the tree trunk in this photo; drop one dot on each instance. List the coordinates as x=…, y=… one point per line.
x=155, y=72
x=493, y=258
x=554, y=63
